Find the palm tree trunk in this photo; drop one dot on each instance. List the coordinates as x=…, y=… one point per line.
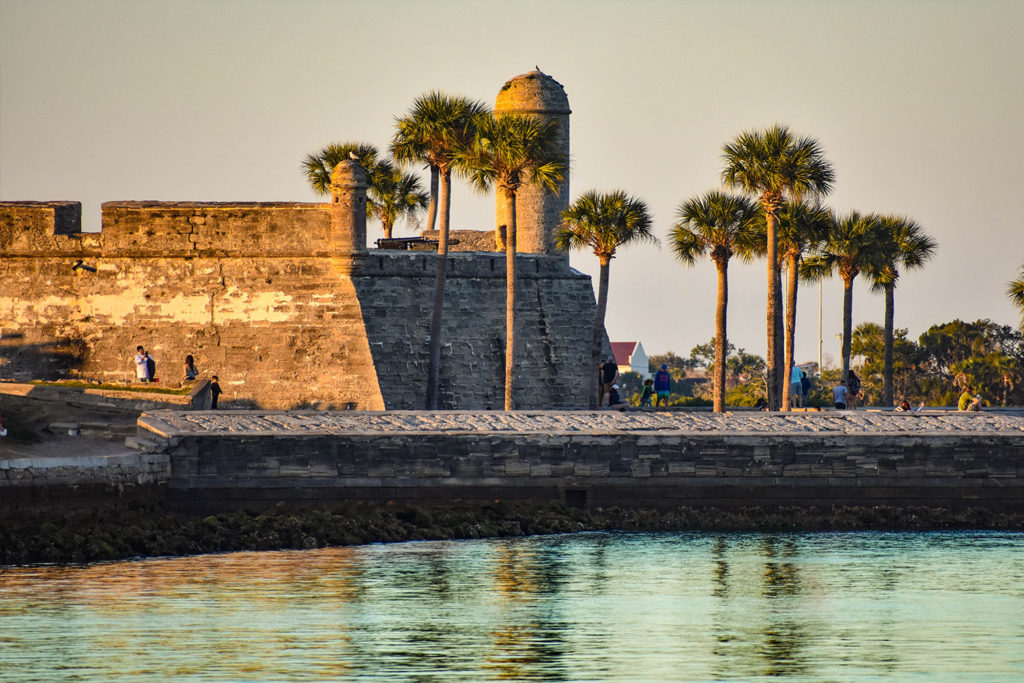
x=847, y=325
x=887, y=370
x=595, y=349
x=792, y=285
x=432, y=210
x=387, y=229
x=782, y=379
x=510, y=302
x=434, y=363
x=721, y=341
x=774, y=304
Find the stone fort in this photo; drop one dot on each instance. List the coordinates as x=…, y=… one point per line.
x=285, y=302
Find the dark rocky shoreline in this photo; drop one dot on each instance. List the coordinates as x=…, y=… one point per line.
x=149, y=531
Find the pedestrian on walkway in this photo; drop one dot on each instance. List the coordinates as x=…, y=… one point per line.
x=215, y=392
x=662, y=386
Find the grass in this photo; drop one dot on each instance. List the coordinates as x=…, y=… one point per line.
x=137, y=388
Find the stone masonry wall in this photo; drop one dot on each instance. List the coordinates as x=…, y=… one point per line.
x=259, y=296
x=312, y=459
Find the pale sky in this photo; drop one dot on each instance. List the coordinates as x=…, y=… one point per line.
x=918, y=105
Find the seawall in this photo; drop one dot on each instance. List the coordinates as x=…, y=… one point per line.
x=230, y=460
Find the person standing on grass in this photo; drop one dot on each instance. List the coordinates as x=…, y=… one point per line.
x=141, y=364
x=609, y=373
x=647, y=393
x=839, y=395
x=852, y=390
x=662, y=386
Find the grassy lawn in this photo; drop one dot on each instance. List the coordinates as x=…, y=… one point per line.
x=138, y=388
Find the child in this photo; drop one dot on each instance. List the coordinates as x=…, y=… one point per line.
x=215, y=393
x=648, y=391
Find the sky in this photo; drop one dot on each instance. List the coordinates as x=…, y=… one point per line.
x=918, y=106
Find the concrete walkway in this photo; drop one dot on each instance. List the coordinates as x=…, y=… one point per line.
x=167, y=423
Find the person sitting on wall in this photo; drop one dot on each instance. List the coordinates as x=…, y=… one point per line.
x=903, y=407
x=215, y=392
x=615, y=401
x=190, y=369
x=141, y=364
x=839, y=395
x=662, y=386
x=969, y=401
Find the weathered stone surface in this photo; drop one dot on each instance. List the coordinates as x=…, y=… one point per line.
x=713, y=460
x=285, y=309
x=538, y=212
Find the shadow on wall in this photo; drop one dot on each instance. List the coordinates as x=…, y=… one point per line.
x=46, y=360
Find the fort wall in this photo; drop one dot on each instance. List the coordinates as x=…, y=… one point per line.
x=277, y=300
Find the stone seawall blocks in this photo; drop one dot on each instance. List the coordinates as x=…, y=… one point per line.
x=614, y=469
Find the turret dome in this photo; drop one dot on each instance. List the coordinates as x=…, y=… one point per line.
x=532, y=93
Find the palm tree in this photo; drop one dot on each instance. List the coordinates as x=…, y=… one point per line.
x=506, y=152
x=718, y=224
x=397, y=195
x=437, y=127
x=603, y=223
x=903, y=245
x=391, y=194
x=1015, y=290
x=774, y=164
x=318, y=166
x=851, y=247
x=801, y=227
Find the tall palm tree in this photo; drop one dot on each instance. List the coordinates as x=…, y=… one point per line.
x=434, y=131
x=718, y=224
x=801, y=227
x=775, y=164
x=1015, y=290
x=903, y=245
x=507, y=151
x=397, y=195
x=851, y=247
x=603, y=223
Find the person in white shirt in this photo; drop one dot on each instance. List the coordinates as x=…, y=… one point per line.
x=839, y=395
x=141, y=364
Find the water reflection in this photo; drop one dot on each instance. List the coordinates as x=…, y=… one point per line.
x=582, y=607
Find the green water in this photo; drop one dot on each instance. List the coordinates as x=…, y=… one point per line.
x=603, y=606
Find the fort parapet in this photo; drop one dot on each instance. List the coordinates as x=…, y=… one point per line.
x=283, y=302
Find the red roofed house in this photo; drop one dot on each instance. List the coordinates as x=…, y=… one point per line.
x=631, y=357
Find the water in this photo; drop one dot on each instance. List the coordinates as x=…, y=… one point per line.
x=603, y=606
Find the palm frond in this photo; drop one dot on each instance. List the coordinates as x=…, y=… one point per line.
x=604, y=222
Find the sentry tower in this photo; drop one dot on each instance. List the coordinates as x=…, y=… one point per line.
x=538, y=212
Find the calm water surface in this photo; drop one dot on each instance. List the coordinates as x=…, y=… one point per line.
x=603, y=606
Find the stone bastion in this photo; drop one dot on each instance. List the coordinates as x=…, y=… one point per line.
x=284, y=302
